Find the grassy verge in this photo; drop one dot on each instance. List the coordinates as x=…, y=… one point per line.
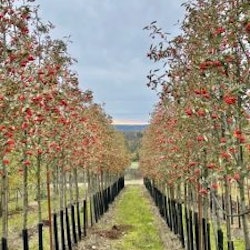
x=134, y=210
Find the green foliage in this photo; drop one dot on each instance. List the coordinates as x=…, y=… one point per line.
x=133, y=139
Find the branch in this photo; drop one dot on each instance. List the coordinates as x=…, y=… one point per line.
x=224, y=212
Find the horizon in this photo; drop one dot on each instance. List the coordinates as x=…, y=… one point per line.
x=131, y=124
x=128, y=122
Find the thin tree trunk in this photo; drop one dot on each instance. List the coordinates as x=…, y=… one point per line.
x=38, y=176
x=75, y=172
x=65, y=195
x=56, y=188
x=61, y=188
x=4, y=198
x=102, y=183
x=25, y=197
x=200, y=214
x=70, y=187
x=244, y=216
x=217, y=215
x=228, y=219
x=49, y=205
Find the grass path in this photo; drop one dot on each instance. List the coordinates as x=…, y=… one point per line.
x=133, y=223
x=133, y=209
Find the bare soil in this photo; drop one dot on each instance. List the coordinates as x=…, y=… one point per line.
x=115, y=233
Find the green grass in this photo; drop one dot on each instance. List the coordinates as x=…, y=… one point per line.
x=134, y=165
x=134, y=210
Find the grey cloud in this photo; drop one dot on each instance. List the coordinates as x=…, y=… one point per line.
x=111, y=47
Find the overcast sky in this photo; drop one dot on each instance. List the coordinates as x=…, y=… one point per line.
x=111, y=46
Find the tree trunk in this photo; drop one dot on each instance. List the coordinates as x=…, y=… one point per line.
x=244, y=216
x=217, y=214
x=61, y=187
x=25, y=197
x=70, y=187
x=56, y=187
x=64, y=182
x=4, y=207
x=38, y=176
x=75, y=172
x=228, y=219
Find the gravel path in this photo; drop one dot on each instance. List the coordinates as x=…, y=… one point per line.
x=100, y=238
x=134, y=182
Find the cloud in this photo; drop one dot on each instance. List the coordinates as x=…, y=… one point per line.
x=111, y=47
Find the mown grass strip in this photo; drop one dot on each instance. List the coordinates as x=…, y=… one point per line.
x=134, y=209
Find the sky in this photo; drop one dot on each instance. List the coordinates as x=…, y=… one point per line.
x=110, y=46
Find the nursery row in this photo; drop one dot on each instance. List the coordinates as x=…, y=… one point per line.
x=197, y=144
x=53, y=137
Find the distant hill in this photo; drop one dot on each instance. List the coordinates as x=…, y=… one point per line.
x=130, y=127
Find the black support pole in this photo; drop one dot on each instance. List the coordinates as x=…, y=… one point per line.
x=40, y=236
x=62, y=230
x=25, y=239
x=68, y=230
x=4, y=244
x=78, y=221
x=85, y=218
x=73, y=223
x=55, y=231
x=220, y=239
